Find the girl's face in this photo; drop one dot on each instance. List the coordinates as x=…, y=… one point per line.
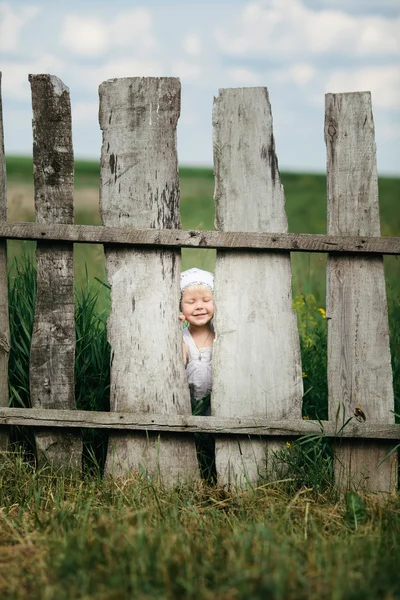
x=197, y=305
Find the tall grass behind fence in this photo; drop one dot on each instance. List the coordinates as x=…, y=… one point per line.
x=92, y=358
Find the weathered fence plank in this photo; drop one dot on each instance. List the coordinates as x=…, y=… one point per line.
x=256, y=364
x=140, y=188
x=4, y=323
x=181, y=424
x=359, y=368
x=52, y=357
x=177, y=238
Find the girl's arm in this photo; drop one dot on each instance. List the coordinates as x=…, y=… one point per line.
x=184, y=353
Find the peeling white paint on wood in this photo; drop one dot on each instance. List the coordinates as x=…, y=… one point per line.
x=4, y=323
x=359, y=366
x=256, y=362
x=52, y=357
x=140, y=189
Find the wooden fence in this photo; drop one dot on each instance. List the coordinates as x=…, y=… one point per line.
x=257, y=391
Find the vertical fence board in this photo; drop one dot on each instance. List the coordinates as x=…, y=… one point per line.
x=140, y=188
x=359, y=368
x=4, y=323
x=52, y=357
x=256, y=364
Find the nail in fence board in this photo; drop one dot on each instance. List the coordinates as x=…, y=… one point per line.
x=4, y=323
x=359, y=367
x=256, y=362
x=140, y=189
x=52, y=356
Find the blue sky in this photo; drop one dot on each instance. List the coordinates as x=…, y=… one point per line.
x=298, y=49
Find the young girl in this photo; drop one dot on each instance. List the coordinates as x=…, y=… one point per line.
x=197, y=307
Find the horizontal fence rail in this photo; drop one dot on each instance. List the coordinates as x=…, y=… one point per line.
x=195, y=424
x=223, y=240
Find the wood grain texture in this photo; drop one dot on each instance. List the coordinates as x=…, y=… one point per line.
x=178, y=238
x=36, y=417
x=359, y=367
x=52, y=357
x=256, y=363
x=4, y=322
x=140, y=189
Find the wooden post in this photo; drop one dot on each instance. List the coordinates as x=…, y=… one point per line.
x=256, y=363
x=359, y=368
x=4, y=323
x=140, y=188
x=52, y=357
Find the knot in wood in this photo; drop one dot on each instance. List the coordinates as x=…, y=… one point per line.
x=360, y=414
x=332, y=130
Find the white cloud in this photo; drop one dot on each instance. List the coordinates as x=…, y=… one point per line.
x=132, y=27
x=287, y=28
x=90, y=78
x=15, y=75
x=185, y=70
x=240, y=76
x=379, y=37
x=363, y=4
x=86, y=36
x=300, y=74
x=82, y=112
x=382, y=82
x=92, y=37
x=130, y=68
x=389, y=131
x=192, y=44
x=12, y=22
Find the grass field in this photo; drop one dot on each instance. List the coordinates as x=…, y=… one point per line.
x=68, y=537
x=86, y=537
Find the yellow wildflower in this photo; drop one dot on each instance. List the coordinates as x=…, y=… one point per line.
x=309, y=342
x=304, y=374
x=323, y=313
x=288, y=444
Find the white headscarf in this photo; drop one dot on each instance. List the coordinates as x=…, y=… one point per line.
x=197, y=277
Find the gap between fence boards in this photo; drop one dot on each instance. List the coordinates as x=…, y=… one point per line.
x=37, y=417
x=297, y=242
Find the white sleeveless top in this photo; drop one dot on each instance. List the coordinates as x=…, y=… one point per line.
x=198, y=367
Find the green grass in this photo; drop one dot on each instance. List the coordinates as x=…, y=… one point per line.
x=71, y=537
x=92, y=354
